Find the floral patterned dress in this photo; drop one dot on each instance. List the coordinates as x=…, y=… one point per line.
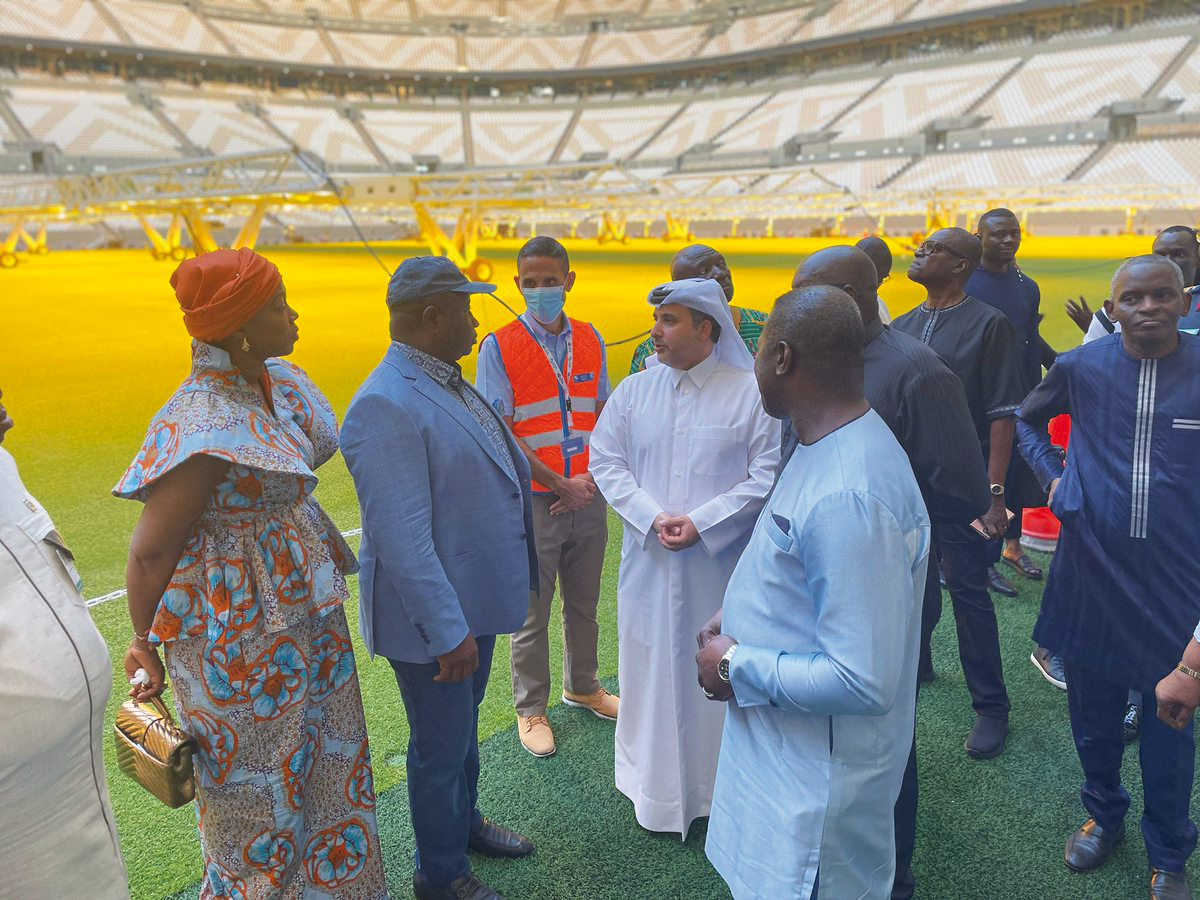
x=256, y=642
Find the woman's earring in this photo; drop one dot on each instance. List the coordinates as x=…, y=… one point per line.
x=245, y=346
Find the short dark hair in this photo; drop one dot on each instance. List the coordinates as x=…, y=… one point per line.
x=699, y=318
x=825, y=330
x=997, y=213
x=544, y=246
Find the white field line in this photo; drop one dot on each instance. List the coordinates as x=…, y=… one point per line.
x=117, y=595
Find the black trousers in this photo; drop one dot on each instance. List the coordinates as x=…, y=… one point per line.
x=965, y=558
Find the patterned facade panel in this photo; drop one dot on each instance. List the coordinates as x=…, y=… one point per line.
x=698, y=124
x=219, y=125
x=754, y=32
x=323, y=131
x=525, y=54
x=1074, y=85
x=616, y=131
x=1175, y=163
x=402, y=133
x=793, y=112
x=993, y=168
x=75, y=20
x=514, y=137
x=396, y=51
x=639, y=48
x=255, y=41
x=907, y=103
x=91, y=123
x=165, y=25
x=531, y=10
x=371, y=10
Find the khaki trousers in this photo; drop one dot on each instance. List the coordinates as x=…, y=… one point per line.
x=570, y=550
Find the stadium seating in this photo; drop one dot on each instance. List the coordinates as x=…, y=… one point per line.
x=399, y=51
x=402, y=133
x=322, y=130
x=103, y=124
x=257, y=41
x=754, y=32
x=698, y=123
x=904, y=104
x=788, y=113
x=1073, y=85
x=1185, y=84
x=523, y=137
x=72, y=20
x=169, y=26
x=217, y=124
x=993, y=168
x=615, y=131
x=524, y=54
x=634, y=48
x=1174, y=163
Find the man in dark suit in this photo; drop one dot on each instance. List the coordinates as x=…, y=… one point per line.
x=448, y=558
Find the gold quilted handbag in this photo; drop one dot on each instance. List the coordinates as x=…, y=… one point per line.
x=154, y=751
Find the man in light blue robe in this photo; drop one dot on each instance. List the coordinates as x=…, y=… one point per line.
x=818, y=641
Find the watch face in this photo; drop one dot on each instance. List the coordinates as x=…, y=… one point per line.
x=997, y=490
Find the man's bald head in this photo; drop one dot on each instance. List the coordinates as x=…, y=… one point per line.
x=813, y=342
x=880, y=253
x=847, y=268
x=702, y=261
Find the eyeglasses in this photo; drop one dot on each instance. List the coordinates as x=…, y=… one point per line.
x=929, y=247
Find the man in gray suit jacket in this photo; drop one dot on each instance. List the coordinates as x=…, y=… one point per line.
x=448, y=558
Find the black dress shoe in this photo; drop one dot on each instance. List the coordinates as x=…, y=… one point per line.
x=469, y=887
x=999, y=583
x=496, y=840
x=1091, y=845
x=986, y=739
x=1169, y=885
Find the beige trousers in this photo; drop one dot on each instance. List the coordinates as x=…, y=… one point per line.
x=570, y=550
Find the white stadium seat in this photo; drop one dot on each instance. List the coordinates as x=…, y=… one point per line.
x=525, y=54
x=639, y=48
x=324, y=131
x=257, y=41
x=396, y=51
x=615, y=131
x=1174, y=163
x=403, y=133
x=170, y=26
x=792, y=112
x=217, y=124
x=1185, y=84
x=524, y=137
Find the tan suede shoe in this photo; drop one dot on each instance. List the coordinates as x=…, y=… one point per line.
x=602, y=703
x=535, y=735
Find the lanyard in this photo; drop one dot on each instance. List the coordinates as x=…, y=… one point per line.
x=558, y=372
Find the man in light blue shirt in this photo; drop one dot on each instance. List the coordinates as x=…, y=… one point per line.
x=817, y=643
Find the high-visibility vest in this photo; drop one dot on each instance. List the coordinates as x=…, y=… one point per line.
x=542, y=416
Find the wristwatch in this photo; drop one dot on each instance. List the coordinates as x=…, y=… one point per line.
x=997, y=490
x=723, y=664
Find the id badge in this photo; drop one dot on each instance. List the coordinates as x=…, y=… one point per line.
x=572, y=447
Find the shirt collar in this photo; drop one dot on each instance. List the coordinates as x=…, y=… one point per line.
x=444, y=373
x=539, y=330
x=872, y=331
x=698, y=373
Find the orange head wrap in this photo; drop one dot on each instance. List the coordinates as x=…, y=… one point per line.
x=221, y=291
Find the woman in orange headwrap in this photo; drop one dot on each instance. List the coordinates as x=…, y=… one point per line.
x=240, y=575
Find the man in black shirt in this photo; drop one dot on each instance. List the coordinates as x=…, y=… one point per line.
x=923, y=404
x=979, y=345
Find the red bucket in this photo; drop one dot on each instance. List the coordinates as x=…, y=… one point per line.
x=1039, y=527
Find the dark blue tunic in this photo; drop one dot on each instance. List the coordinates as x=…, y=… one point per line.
x=1123, y=593
x=1016, y=295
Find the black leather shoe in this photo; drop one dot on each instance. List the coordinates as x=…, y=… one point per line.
x=468, y=887
x=986, y=739
x=1169, y=885
x=496, y=840
x=999, y=583
x=1091, y=845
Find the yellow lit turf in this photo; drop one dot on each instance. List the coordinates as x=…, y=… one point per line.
x=92, y=345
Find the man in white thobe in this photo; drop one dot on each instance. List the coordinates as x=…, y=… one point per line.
x=685, y=455
x=817, y=644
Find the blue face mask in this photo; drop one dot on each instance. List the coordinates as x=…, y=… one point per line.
x=545, y=303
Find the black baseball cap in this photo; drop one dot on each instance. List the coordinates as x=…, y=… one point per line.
x=421, y=277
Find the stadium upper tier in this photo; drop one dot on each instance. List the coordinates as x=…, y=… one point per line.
x=462, y=35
